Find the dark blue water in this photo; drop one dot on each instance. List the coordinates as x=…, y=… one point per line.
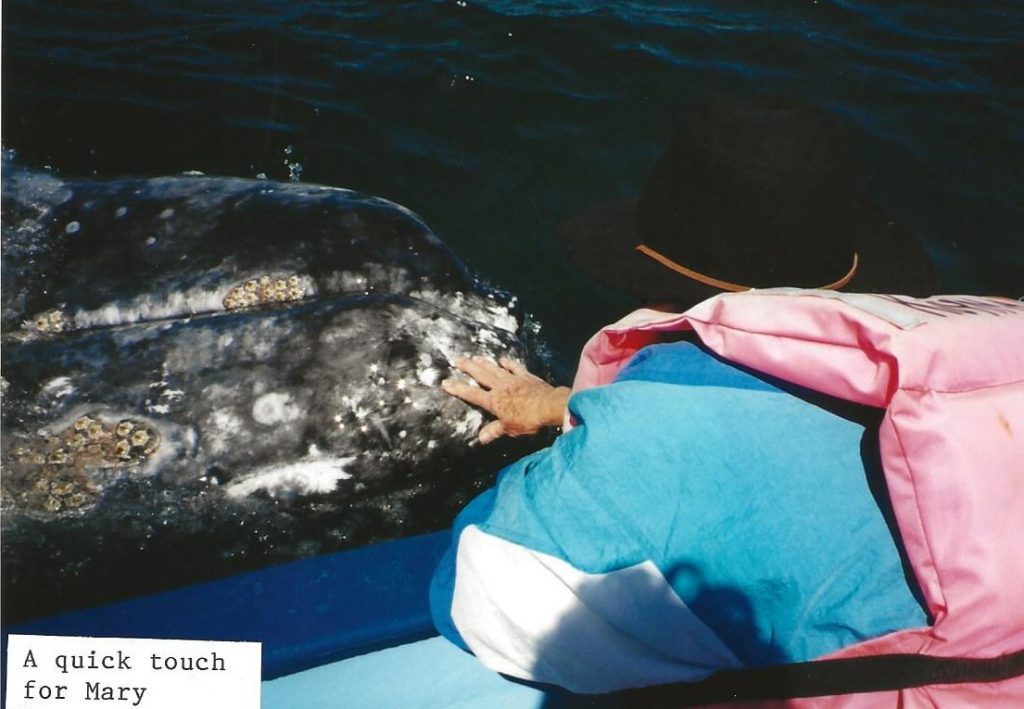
x=497, y=121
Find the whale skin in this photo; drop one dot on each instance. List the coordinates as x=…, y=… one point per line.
x=208, y=375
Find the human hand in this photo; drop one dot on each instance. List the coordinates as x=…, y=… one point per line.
x=522, y=402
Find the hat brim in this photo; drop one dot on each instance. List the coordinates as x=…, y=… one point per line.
x=602, y=242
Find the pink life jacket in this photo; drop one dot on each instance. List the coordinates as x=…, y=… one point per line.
x=949, y=371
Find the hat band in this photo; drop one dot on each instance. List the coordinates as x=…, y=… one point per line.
x=726, y=285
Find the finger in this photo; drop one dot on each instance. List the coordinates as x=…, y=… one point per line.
x=468, y=393
x=491, y=432
x=486, y=373
x=514, y=366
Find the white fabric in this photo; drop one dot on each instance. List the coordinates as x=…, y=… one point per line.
x=889, y=308
x=533, y=616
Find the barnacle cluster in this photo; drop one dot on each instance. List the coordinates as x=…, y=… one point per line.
x=52, y=321
x=263, y=291
x=51, y=472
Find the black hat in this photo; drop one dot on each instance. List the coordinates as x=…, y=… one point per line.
x=751, y=193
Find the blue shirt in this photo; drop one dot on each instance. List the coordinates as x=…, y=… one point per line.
x=753, y=500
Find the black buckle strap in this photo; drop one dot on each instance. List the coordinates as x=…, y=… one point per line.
x=875, y=673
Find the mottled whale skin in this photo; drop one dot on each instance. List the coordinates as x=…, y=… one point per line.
x=207, y=375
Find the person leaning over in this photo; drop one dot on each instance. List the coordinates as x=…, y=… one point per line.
x=728, y=493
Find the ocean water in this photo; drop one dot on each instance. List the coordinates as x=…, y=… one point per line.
x=497, y=121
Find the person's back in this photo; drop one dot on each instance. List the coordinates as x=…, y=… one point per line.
x=698, y=518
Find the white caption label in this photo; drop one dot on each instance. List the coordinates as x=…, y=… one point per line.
x=46, y=672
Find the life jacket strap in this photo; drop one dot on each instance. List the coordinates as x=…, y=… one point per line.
x=820, y=678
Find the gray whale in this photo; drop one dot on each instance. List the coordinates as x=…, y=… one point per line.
x=207, y=375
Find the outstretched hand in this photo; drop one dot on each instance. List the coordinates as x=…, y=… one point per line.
x=522, y=402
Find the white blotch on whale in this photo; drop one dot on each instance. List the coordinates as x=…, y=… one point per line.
x=222, y=430
x=274, y=408
x=385, y=278
x=316, y=473
x=474, y=308
x=428, y=376
x=167, y=305
x=58, y=388
x=470, y=423
x=487, y=338
x=151, y=307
